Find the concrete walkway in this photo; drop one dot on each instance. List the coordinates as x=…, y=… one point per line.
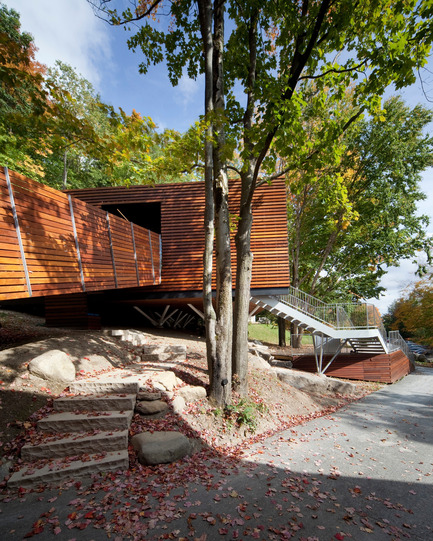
x=364, y=473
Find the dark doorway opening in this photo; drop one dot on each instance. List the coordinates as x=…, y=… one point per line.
x=146, y=215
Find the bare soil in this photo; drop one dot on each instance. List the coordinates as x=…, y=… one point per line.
x=271, y=406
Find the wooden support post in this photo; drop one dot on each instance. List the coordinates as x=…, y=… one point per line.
x=180, y=317
x=146, y=316
x=196, y=310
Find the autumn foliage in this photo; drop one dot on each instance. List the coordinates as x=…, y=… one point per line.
x=414, y=312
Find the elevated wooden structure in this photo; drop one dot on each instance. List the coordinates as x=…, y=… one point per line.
x=143, y=242
x=383, y=368
x=54, y=244
x=176, y=211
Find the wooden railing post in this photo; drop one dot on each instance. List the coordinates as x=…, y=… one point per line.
x=151, y=256
x=18, y=231
x=111, y=249
x=135, y=253
x=77, y=246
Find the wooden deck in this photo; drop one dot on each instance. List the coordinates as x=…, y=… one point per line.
x=383, y=368
x=52, y=244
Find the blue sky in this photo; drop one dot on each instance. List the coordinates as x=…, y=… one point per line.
x=68, y=30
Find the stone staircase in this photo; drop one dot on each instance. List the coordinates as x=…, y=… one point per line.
x=86, y=434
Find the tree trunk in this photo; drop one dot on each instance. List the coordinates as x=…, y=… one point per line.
x=296, y=334
x=281, y=332
x=205, y=15
x=244, y=264
x=218, y=322
x=221, y=383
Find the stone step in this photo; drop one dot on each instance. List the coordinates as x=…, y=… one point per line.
x=136, y=338
x=157, y=350
x=58, y=470
x=76, y=445
x=85, y=422
x=112, y=402
x=104, y=387
x=160, y=357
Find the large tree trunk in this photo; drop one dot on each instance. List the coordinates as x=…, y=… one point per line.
x=296, y=334
x=220, y=385
x=205, y=14
x=244, y=266
x=218, y=322
x=281, y=332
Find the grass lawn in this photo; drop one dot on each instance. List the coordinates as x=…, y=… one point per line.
x=269, y=333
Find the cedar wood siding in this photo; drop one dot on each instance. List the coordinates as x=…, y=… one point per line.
x=182, y=231
x=49, y=246
x=384, y=368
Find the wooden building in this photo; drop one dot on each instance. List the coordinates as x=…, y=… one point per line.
x=139, y=245
x=176, y=211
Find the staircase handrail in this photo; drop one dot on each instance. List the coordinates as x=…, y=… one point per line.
x=339, y=316
x=396, y=341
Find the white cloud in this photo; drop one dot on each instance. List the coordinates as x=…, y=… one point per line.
x=187, y=90
x=67, y=30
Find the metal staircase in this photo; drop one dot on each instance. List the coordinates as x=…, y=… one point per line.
x=333, y=326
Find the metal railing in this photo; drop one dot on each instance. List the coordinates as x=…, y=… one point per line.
x=345, y=316
x=340, y=316
x=396, y=341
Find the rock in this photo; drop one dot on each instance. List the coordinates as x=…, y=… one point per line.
x=340, y=387
x=314, y=383
x=192, y=393
x=257, y=362
x=155, y=407
x=160, y=447
x=166, y=379
x=259, y=350
x=5, y=467
x=149, y=396
x=54, y=365
x=178, y=404
x=421, y=358
x=303, y=381
x=93, y=363
x=282, y=364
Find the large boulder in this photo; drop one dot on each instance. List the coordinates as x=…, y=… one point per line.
x=192, y=393
x=258, y=362
x=314, y=383
x=310, y=383
x=160, y=447
x=93, y=363
x=53, y=365
x=340, y=387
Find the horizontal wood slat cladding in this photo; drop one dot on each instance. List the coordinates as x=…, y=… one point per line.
x=182, y=232
x=384, y=368
x=49, y=246
x=70, y=311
